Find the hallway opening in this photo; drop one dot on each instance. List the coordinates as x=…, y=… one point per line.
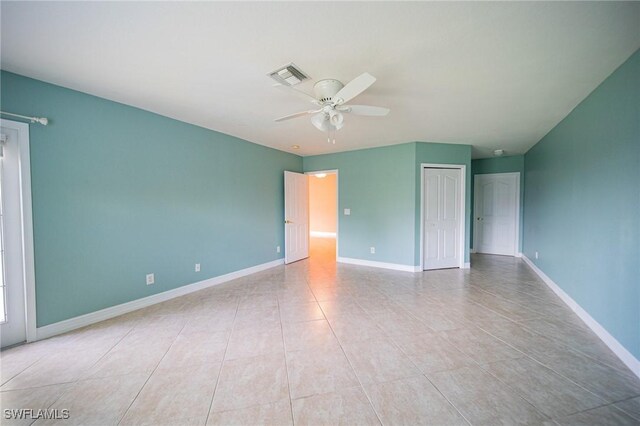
x=323, y=215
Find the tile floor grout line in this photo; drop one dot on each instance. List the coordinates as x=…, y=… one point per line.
x=503, y=315
x=517, y=302
x=447, y=399
x=286, y=365
x=62, y=383
x=224, y=356
x=559, y=342
x=149, y=377
x=20, y=372
x=429, y=380
x=111, y=348
x=52, y=403
x=351, y=365
x=605, y=402
x=514, y=390
x=549, y=367
x=632, y=415
x=611, y=404
x=627, y=399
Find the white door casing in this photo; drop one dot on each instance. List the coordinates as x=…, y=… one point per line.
x=442, y=218
x=17, y=236
x=296, y=216
x=497, y=213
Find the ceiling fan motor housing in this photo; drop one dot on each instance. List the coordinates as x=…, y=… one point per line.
x=325, y=90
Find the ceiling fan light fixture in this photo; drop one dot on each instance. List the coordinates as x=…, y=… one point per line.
x=336, y=118
x=320, y=121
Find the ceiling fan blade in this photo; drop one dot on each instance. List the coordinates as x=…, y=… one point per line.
x=297, y=114
x=297, y=93
x=373, y=111
x=353, y=88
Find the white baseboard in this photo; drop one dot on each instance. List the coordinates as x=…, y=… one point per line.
x=621, y=352
x=467, y=265
x=114, y=311
x=374, y=264
x=320, y=234
x=519, y=254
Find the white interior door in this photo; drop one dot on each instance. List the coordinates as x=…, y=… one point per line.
x=442, y=218
x=496, y=213
x=296, y=216
x=12, y=295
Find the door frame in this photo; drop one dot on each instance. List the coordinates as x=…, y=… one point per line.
x=463, y=219
x=28, y=264
x=516, y=247
x=337, y=173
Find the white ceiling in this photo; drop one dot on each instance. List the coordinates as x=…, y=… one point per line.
x=493, y=75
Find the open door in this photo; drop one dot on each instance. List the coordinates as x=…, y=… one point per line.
x=296, y=217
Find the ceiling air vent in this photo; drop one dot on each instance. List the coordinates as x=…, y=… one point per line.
x=289, y=75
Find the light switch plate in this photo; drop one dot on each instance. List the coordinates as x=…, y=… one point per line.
x=347, y=212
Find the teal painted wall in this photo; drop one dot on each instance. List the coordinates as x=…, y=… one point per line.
x=378, y=186
x=119, y=192
x=440, y=153
x=510, y=164
x=381, y=186
x=582, y=204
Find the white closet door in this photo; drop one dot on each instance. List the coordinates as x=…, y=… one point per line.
x=442, y=218
x=496, y=213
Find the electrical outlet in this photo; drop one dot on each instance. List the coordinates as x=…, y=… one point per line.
x=197, y=267
x=536, y=255
x=277, y=249
x=150, y=279
x=347, y=212
x=373, y=250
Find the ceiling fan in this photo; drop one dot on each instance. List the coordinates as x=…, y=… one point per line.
x=331, y=98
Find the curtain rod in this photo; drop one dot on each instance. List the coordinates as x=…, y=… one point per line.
x=42, y=120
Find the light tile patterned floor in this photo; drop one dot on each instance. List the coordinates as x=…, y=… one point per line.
x=319, y=343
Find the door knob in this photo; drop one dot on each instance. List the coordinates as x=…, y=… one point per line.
x=288, y=221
